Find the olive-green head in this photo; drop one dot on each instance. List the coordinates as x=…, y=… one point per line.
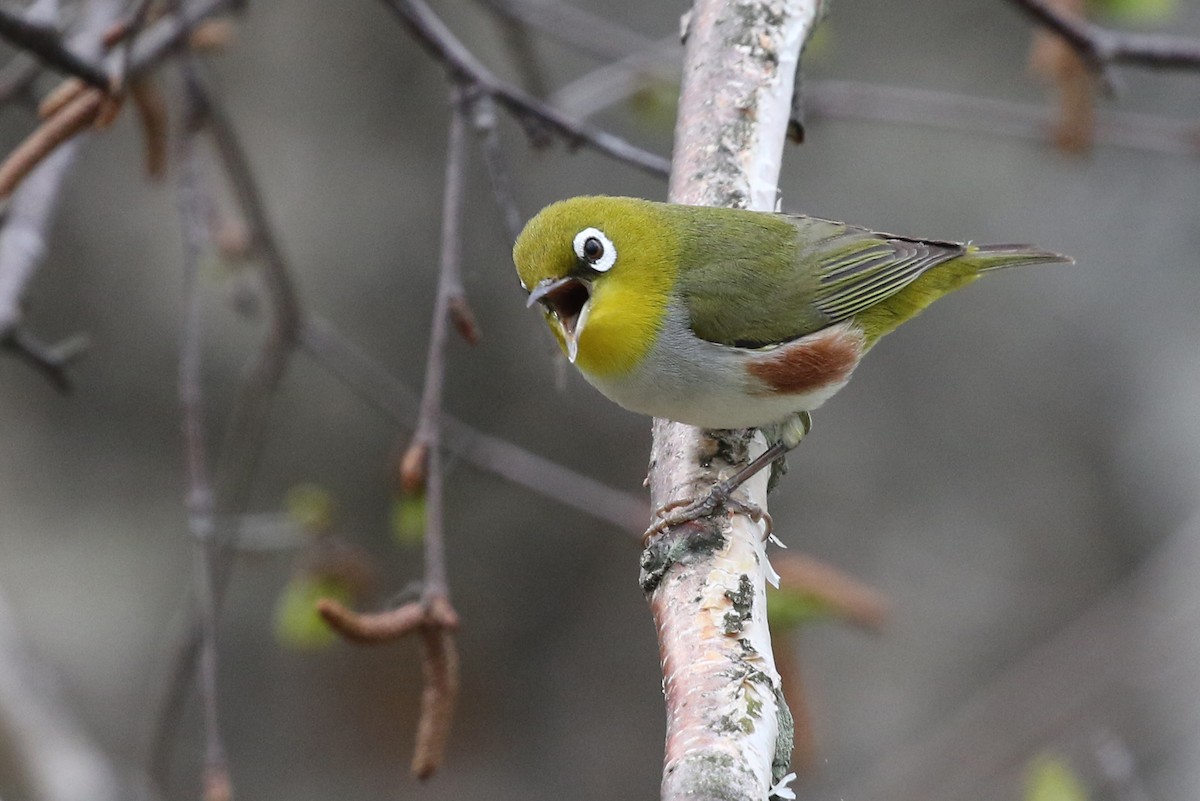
x=603, y=270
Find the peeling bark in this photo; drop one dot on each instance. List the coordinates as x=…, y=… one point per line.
x=728, y=732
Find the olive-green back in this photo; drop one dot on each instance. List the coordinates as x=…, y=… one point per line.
x=750, y=279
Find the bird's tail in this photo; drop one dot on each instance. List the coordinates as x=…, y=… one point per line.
x=999, y=257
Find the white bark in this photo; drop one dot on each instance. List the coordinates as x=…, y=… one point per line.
x=707, y=580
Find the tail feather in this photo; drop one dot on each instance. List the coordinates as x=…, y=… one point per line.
x=999, y=257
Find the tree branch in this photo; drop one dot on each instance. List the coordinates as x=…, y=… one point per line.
x=1100, y=47
x=45, y=43
x=443, y=45
x=31, y=209
x=199, y=497
x=851, y=100
x=367, y=379
x=709, y=600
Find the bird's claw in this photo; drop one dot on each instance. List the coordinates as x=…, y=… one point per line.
x=683, y=510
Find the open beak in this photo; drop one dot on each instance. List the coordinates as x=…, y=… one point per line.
x=566, y=299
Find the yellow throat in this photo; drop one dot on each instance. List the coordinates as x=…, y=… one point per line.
x=628, y=302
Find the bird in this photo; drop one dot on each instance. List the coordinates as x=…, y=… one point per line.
x=727, y=318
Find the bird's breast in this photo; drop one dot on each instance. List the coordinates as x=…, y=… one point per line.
x=691, y=380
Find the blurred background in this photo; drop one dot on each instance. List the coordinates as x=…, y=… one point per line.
x=1017, y=471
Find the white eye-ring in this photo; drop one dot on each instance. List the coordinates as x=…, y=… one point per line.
x=596, y=249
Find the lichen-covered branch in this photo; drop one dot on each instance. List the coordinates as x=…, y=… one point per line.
x=728, y=731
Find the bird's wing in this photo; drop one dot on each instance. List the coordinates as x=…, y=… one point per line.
x=783, y=281
x=860, y=268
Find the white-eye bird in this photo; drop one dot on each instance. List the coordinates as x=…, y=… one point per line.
x=725, y=318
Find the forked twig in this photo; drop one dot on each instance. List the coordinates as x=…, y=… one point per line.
x=536, y=116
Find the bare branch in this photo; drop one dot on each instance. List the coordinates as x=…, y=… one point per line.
x=426, y=440
x=52, y=360
x=379, y=627
x=575, y=26
x=245, y=431
x=75, y=116
x=367, y=379
x=244, y=436
x=31, y=210
x=45, y=43
x=1100, y=47
x=199, y=498
x=928, y=108
x=435, y=620
x=443, y=45
x=483, y=118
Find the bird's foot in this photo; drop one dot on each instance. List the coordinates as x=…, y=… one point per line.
x=683, y=510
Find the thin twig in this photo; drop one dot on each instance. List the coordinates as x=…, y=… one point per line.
x=423, y=469
x=51, y=360
x=1101, y=47
x=31, y=210
x=199, y=493
x=379, y=627
x=427, y=436
x=45, y=43
x=435, y=620
x=483, y=118
x=366, y=378
x=457, y=307
x=524, y=54
x=132, y=29
x=72, y=118
x=574, y=26
x=949, y=111
x=244, y=435
x=441, y=43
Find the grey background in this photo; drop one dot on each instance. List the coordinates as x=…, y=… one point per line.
x=997, y=468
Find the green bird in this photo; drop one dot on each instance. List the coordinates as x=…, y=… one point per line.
x=726, y=318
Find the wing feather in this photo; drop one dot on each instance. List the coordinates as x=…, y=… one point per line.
x=772, y=278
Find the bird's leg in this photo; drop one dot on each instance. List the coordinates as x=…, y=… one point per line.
x=721, y=494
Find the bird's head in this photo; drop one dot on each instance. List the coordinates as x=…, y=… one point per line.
x=602, y=270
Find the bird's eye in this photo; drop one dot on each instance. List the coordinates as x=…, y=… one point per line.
x=592, y=249
x=596, y=249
